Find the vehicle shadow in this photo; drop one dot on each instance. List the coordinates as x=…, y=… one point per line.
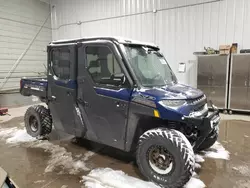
x=119, y=156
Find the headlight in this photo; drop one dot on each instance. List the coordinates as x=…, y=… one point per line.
x=173, y=103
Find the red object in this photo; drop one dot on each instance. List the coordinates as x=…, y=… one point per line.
x=3, y=111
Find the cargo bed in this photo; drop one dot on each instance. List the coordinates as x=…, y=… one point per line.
x=34, y=86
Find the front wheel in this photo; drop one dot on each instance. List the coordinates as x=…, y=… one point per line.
x=165, y=157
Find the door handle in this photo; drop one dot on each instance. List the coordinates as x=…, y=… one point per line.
x=53, y=98
x=118, y=104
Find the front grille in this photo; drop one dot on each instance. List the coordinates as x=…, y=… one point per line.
x=197, y=100
x=199, y=112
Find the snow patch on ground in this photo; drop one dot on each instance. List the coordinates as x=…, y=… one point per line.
x=63, y=159
x=14, y=135
x=64, y=186
x=7, y=132
x=35, y=99
x=39, y=181
x=199, y=158
x=195, y=183
x=197, y=165
x=108, y=178
x=244, y=183
x=20, y=136
x=59, y=155
x=243, y=170
x=88, y=155
x=217, y=151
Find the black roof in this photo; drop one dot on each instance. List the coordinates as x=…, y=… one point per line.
x=117, y=39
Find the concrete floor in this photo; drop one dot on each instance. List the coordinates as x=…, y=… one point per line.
x=55, y=163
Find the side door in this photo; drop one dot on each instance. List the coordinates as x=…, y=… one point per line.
x=103, y=101
x=62, y=86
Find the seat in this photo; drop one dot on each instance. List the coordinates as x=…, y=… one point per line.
x=94, y=70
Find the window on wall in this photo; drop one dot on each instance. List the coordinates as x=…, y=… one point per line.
x=102, y=65
x=60, y=63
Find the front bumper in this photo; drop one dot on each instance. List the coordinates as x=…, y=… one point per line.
x=207, y=126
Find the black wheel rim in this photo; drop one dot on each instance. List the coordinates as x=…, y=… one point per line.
x=160, y=160
x=33, y=123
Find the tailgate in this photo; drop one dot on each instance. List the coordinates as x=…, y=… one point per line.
x=36, y=87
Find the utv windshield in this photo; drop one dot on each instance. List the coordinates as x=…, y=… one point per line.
x=149, y=66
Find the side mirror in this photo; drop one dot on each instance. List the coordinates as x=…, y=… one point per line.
x=119, y=78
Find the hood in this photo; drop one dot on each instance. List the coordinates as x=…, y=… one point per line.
x=176, y=91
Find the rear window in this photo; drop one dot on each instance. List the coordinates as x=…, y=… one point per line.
x=60, y=63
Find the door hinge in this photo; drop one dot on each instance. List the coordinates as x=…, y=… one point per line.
x=84, y=103
x=80, y=100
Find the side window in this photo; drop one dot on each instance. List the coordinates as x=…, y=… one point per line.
x=60, y=63
x=102, y=65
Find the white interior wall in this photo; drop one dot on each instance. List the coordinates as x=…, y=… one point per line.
x=20, y=21
x=179, y=27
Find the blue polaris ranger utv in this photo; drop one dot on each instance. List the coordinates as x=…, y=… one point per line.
x=122, y=93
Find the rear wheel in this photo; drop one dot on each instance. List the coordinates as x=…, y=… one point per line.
x=165, y=157
x=38, y=121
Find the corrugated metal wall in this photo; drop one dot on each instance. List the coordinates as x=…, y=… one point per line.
x=20, y=21
x=179, y=27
